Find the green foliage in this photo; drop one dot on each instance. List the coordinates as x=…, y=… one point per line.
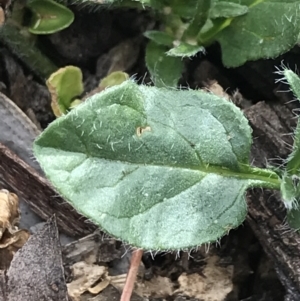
x=243, y=28
x=22, y=47
x=161, y=168
x=113, y=79
x=165, y=71
x=257, y=35
x=293, y=161
x=157, y=168
x=185, y=50
x=224, y=9
x=293, y=218
x=159, y=37
x=64, y=85
x=291, y=184
x=48, y=16
x=288, y=191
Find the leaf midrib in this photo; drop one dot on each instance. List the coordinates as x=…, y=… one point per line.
x=253, y=177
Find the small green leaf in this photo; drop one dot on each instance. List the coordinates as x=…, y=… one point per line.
x=201, y=13
x=184, y=8
x=188, y=8
x=29, y=54
x=290, y=188
x=293, y=218
x=225, y=9
x=165, y=70
x=113, y=79
x=75, y=103
x=185, y=50
x=161, y=169
x=293, y=161
x=64, y=85
x=48, y=16
x=269, y=29
x=293, y=80
x=159, y=37
x=288, y=191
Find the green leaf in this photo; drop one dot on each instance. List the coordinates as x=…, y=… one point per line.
x=290, y=188
x=269, y=29
x=293, y=80
x=184, y=8
x=225, y=9
x=293, y=161
x=161, y=169
x=165, y=71
x=75, y=103
x=288, y=191
x=64, y=85
x=159, y=37
x=201, y=13
x=293, y=218
x=22, y=47
x=113, y=79
x=154, y=4
x=48, y=16
x=185, y=50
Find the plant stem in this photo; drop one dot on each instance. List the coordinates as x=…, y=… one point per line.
x=30, y=55
x=131, y=276
x=261, y=177
x=206, y=38
x=200, y=17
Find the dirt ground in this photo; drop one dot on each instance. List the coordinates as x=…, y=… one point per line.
x=234, y=269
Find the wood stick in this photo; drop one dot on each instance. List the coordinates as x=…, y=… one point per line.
x=23, y=180
x=132, y=273
x=266, y=213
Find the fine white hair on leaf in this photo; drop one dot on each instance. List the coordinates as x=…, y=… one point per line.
x=133, y=77
x=126, y=250
x=290, y=101
x=287, y=134
x=288, y=145
x=91, y=131
x=80, y=124
x=218, y=242
x=290, y=204
x=151, y=254
x=190, y=253
x=296, y=111
x=206, y=247
x=276, y=162
x=143, y=79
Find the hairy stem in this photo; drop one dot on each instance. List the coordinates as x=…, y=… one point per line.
x=30, y=55
x=208, y=37
x=265, y=178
